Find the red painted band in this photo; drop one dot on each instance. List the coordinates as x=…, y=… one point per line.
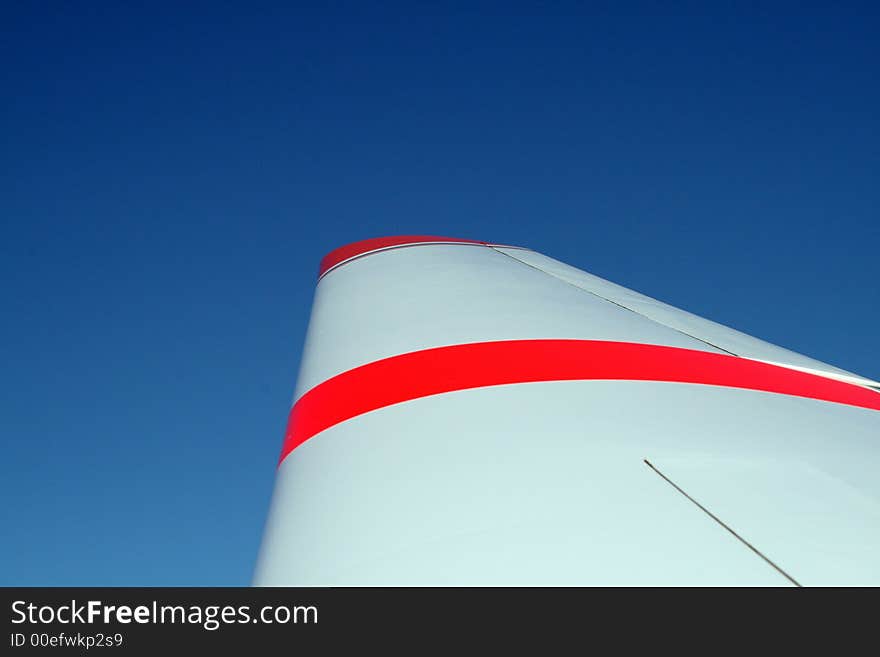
x=365, y=246
x=460, y=367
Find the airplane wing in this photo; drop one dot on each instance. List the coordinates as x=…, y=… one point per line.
x=476, y=414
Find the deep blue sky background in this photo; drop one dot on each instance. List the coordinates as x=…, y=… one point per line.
x=170, y=178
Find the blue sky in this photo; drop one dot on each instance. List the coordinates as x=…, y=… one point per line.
x=171, y=177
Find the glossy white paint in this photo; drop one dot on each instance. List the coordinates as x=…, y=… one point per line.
x=405, y=299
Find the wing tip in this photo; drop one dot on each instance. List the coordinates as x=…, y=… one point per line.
x=362, y=247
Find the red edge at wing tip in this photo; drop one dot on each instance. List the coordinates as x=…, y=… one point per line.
x=343, y=253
